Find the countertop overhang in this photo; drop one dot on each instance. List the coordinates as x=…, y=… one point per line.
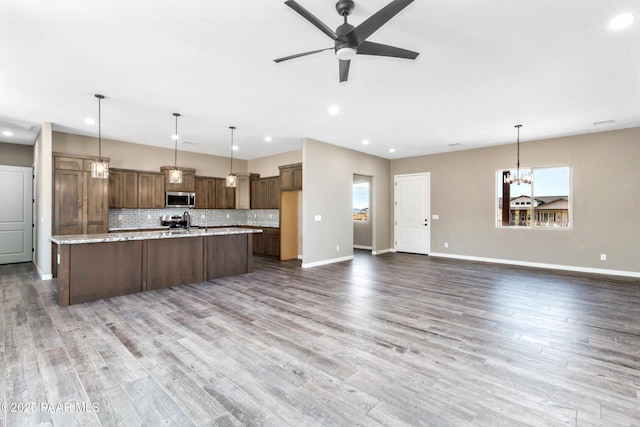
x=149, y=235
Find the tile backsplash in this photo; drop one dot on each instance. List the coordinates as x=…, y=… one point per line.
x=150, y=218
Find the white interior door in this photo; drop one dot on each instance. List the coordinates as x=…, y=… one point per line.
x=411, y=213
x=15, y=215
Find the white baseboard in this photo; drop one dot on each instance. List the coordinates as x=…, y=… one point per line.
x=327, y=261
x=368, y=248
x=42, y=276
x=540, y=265
x=382, y=251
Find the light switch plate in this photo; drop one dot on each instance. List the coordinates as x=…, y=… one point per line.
x=318, y=217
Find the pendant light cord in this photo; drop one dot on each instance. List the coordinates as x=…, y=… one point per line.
x=232, y=129
x=518, y=163
x=175, y=153
x=100, y=98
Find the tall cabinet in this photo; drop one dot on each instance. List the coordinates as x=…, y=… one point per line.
x=80, y=203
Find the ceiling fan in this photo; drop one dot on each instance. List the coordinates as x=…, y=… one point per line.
x=350, y=40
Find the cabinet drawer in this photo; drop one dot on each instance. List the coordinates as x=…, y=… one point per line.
x=68, y=163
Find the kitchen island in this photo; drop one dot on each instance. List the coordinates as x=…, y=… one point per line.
x=96, y=266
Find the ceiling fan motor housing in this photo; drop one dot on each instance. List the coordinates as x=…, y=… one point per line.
x=345, y=7
x=345, y=38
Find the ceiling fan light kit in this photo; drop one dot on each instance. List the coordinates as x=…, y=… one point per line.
x=350, y=41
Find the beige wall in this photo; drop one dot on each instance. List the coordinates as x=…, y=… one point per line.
x=328, y=192
x=605, y=200
x=16, y=155
x=268, y=166
x=127, y=155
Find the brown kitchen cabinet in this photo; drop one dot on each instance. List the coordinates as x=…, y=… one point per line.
x=291, y=177
x=80, y=203
x=188, y=180
x=267, y=243
x=205, y=193
x=265, y=193
x=150, y=190
x=225, y=196
x=123, y=189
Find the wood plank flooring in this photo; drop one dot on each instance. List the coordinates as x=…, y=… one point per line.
x=393, y=340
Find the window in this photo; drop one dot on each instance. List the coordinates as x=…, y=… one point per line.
x=545, y=203
x=361, y=201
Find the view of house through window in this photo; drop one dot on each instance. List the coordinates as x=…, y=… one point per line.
x=361, y=201
x=542, y=204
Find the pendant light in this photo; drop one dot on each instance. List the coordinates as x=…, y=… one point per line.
x=175, y=174
x=232, y=178
x=525, y=179
x=99, y=168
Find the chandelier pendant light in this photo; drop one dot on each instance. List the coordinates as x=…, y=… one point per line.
x=99, y=168
x=231, y=179
x=518, y=179
x=175, y=174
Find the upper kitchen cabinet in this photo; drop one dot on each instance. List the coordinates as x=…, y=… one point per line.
x=205, y=193
x=291, y=177
x=188, y=180
x=123, y=189
x=150, y=190
x=80, y=203
x=265, y=193
x=225, y=196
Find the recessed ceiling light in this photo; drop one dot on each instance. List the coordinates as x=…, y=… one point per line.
x=333, y=110
x=235, y=148
x=620, y=21
x=90, y=121
x=7, y=133
x=365, y=142
x=392, y=150
x=268, y=138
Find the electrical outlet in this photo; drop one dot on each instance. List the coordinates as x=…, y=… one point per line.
x=148, y=216
x=202, y=216
x=318, y=217
x=270, y=216
x=337, y=248
x=119, y=217
x=603, y=257
x=446, y=244
x=228, y=216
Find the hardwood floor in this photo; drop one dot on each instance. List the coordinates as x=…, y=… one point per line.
x=395, y=339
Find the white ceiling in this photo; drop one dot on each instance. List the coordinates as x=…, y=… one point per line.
x=484, y=66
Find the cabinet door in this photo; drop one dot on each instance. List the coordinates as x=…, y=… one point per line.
x=188, y=181
x=115, y=189
x=96, y=204
x=68, y=202
x=202, y=196
x=231, y=198
x=129, y=189
x=260, y=194
x=211, y=194
x=150, y=190
x=291, y=177
x=274, y=193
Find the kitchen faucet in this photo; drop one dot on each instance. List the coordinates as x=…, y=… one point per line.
x=186, y=219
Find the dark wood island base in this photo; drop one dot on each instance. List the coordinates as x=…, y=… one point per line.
x=109, y=267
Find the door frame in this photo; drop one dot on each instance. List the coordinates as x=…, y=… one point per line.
x=28, y=205
x=427, y=213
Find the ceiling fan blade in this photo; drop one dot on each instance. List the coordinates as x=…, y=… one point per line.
x=377, y=49
x=298, y=55
x=344, y=69
x=378, y=19
x=311, y=18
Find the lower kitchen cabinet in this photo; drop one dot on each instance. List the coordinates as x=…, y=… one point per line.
x=267, y=243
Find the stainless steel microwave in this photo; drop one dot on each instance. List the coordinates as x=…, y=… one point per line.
x=179, y=199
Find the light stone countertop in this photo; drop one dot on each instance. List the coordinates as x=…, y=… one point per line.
x=77, y=239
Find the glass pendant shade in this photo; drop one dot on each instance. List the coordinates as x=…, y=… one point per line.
x=99, y=168
x=175, y=176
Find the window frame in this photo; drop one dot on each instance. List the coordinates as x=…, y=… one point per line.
x=531, y=207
